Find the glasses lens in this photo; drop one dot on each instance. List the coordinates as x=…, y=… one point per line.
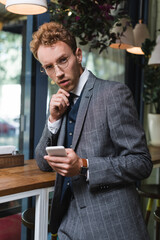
x=42, y=70
x=63, y=63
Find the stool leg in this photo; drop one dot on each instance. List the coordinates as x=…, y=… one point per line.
x=158, y=203
x=157, y=230
x=54, y=237
x=148, y=210
x=157, y=223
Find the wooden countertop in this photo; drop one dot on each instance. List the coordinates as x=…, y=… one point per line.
x=29, y=177
x=24, y=178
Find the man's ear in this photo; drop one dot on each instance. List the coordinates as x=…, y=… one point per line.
x=79, y=55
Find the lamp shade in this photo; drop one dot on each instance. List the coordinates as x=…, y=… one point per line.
x=124, y=39
x=3, y=1
x=26, y=7
x=155, y=56
x=140, y=34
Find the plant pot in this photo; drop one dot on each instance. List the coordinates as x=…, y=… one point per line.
x=154, y=128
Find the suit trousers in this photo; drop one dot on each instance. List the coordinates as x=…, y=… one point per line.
x=71, y=226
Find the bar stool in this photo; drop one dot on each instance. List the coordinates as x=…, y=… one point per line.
x=28, y=218
x=157, y=218
x=152, y=192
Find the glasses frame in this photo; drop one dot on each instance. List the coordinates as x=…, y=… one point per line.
x=62, y=64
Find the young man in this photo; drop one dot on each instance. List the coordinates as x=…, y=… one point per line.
x=95, y=195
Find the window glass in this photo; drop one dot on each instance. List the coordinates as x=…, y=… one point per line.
x=10, y=88
x=10, y=102
x=52, y=89
x=109, y=65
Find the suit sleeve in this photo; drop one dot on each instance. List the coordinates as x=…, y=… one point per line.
x=47, y=139
x=130, y=160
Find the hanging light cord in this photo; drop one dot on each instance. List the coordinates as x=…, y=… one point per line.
x=141, y=11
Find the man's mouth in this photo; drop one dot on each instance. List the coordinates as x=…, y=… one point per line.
x=63, y=82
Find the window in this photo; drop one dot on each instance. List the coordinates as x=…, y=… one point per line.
x=10, y=87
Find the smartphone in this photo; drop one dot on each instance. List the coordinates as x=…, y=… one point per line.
x=56, y=151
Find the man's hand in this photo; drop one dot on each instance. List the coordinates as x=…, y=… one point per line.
x=58, y=105
x=66, y=166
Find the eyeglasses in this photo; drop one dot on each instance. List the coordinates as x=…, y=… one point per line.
x=61, y=64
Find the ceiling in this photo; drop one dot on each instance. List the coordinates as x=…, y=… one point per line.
x=9, y=21
x=6, y=17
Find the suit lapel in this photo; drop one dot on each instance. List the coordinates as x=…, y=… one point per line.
x=83, y=107
x=84, y=104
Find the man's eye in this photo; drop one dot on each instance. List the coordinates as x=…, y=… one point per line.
x=63, y=60
x=49, y=67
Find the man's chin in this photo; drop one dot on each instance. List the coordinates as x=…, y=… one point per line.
x=67, y=88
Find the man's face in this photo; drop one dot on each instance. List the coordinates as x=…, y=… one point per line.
x=61, y=65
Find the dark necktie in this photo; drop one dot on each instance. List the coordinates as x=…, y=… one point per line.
x=71, y=101
x=67, y=184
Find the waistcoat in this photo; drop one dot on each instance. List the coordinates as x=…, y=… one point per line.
x=71, y=119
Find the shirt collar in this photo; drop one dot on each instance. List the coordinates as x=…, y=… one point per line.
x=82, y=80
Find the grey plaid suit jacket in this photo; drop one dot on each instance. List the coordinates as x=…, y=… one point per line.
x=109, y=135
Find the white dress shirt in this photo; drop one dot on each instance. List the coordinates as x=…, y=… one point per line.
x=54, y=127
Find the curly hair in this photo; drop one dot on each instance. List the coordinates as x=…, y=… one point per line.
x=50, y=33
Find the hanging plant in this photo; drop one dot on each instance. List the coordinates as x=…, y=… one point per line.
x=89, y=20
x=151, y=94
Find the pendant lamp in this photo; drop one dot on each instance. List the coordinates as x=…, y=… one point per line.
x=124, y=39
x=140, y=34
x=26, y=7
x=3, y=1
x=1, y=25
x=155, y=56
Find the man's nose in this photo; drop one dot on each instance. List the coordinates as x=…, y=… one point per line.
x=58, y=71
